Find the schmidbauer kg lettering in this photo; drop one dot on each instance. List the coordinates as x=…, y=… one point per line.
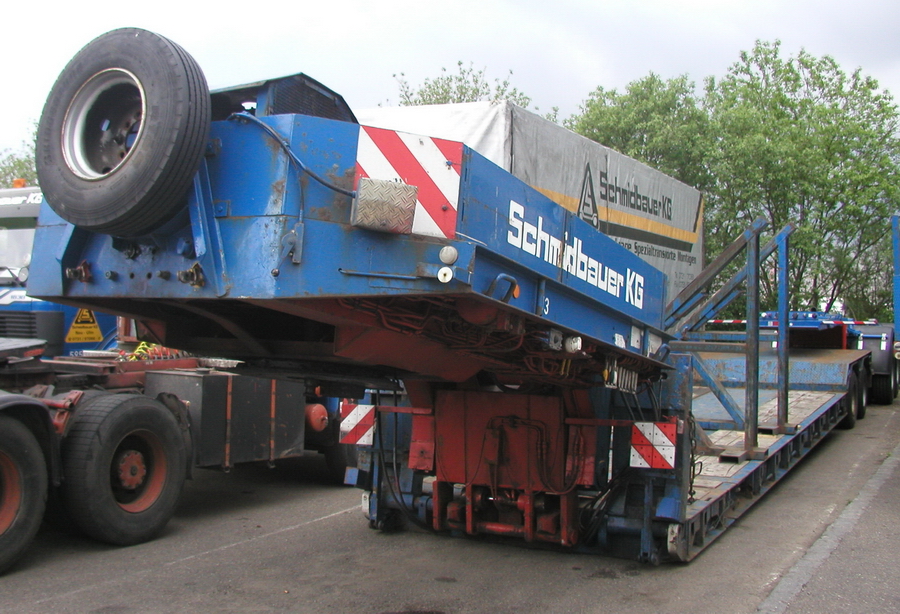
x=534, y=240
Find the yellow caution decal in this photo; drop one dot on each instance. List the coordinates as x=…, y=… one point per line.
x=84, y=328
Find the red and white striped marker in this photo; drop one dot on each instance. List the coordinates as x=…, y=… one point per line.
x=653, y=445
x=357, y=424
x=432, y=165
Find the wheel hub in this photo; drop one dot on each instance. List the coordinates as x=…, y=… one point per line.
x=131, y=469
x=103, y=123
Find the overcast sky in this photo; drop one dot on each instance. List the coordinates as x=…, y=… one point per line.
x=558, y=50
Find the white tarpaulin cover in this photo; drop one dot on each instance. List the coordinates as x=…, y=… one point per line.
x=651, y=214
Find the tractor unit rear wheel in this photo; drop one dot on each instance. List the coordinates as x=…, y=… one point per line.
x=23, y=489
x=124, y=464
x=122, y=133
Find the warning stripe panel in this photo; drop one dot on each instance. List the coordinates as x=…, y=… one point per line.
x=357, y=424
x=641, y=447
x=653, y=445
x=434, y=161
x=409, y=169
x=639, y=456
x=347, y=408
x=432, y=165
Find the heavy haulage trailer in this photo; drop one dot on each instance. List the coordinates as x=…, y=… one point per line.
x=508, y=369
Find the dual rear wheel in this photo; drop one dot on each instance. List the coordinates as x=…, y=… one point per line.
x=23, y=489
x=124, y=462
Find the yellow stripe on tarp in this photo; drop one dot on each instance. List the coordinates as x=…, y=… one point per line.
x=624, y=218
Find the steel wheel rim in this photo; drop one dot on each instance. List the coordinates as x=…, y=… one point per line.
x=138, y=471
x=10, y=492
x=103, y=124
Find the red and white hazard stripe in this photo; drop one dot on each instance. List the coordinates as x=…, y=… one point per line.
x=357, y=423
x=432, y=165
x=653, y=445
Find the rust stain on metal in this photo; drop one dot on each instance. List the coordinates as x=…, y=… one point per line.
x=277, y=194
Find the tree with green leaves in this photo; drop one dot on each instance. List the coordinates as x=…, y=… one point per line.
x=466, y=85
x=798, y=140
x=657, y=122
x=18, y=165
x=794, y=140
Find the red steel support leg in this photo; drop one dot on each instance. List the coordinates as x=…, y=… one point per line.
x=568, y=504
x=526, y=505
x=470, y=509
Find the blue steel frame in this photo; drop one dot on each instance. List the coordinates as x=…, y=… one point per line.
x=257, y=229
x=706, y=518
x=691, y=309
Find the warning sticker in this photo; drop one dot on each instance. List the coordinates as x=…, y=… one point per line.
x=84, y=328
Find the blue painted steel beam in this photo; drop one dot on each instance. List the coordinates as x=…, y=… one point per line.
x=729, y=291
x=257, y=229
x=725, y=336
x=679, y=305
x=783, y=329
x=511, y=220
x=713, y=382
x=751, y=402
x=809, y=369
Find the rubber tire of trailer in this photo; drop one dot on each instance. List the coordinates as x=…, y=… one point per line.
x=882, y=389
x=117, y=433
x=854, y=397
x=122, y=133
x=865, y=398
x=23, y=489
x=895, y=379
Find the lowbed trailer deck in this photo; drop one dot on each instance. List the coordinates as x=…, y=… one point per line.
x=727, y=482
x=547, y=384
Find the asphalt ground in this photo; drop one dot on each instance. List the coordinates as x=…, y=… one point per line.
x=853, y=566
x=284, y=540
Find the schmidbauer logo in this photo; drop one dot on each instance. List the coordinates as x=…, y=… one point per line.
x=534, y=240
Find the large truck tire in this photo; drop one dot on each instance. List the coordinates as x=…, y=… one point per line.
x=882, y=389
x=124, y=466
x=853, y=401
x=122, y=133
x=865, y=396
x=895, y=377
x=23, y=489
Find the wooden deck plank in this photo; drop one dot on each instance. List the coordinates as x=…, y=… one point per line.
x=801, y=404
